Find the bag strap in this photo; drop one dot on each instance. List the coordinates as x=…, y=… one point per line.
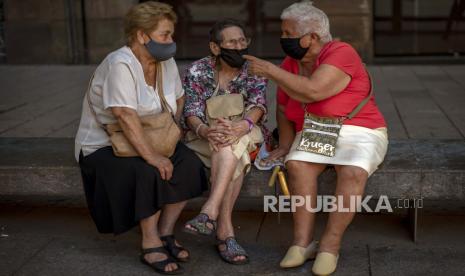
x=216, y=74
x=164, y=104
x=365, y=101
x=217, y=88
x=360, y=105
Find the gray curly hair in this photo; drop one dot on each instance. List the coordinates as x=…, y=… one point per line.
x=309, y=19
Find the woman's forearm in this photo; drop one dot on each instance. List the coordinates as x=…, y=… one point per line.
x=324, y=82
x=298, y=87
x=254, y=114
x=180, y=107
x=195, y=124
x=132, y=128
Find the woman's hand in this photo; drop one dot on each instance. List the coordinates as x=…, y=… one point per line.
x=229, y=132
x=205, y=132
x=277, y=154
x=132, y=128
x=259, y=67
x=164, y=166
x=216, y=136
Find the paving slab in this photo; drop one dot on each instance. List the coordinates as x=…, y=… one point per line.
x=386, y=105
x=400, y=77
x=422, y=117
x=49, y=122
x=21, y=89
x=450, y=98
x=15, y=252
x=410, y=97
x=392, y=260
x=456, y=72
x=79, y=256
x=63, y=241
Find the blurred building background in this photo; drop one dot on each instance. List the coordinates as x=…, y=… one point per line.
x=84, y=31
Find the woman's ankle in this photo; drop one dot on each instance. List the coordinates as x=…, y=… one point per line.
x=151, y=241
x=165, y=232
x=210, y=213
x=222, y=234
x=302, y=242
x=330, y=246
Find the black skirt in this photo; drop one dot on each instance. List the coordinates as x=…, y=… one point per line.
x=120, y=191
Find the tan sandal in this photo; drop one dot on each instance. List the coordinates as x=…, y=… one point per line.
x=298, y=255
x=325, y=263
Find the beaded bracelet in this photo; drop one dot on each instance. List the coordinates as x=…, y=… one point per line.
x=250, y=122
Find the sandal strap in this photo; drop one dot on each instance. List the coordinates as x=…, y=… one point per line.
x=167, y=237
x=171, y=245
x=207, y=219
x=159, y=265
x=233, y=248
x=159, y=249
x=200, y=223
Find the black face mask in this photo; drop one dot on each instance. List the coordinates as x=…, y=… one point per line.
x=233, y=57
x=292, y=48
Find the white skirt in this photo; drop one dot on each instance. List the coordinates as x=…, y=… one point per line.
x=356, y=146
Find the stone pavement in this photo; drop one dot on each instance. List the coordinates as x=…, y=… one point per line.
x=419, y=102
x=63, y=241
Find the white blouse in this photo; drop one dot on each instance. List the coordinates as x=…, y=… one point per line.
x=119, y=82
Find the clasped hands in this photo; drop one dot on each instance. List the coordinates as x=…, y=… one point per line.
x=224, y=132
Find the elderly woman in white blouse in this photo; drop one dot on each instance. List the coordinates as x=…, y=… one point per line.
x=150, y=190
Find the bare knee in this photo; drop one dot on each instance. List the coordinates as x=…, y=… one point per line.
x=294, y=166
x=305, y=168
x=224, y=152
x=303, y=174
x=352, y=174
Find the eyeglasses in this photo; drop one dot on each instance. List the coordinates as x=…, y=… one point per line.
x=243, y=41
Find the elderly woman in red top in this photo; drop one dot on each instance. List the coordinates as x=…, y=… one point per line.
x=329, y=78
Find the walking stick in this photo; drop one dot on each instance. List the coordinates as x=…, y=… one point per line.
x=278, y=175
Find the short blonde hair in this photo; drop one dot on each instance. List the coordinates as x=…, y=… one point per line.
x=145, y=16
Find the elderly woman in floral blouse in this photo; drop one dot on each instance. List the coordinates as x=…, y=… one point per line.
x=223, y=72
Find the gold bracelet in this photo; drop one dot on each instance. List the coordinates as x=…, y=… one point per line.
x=198, y=128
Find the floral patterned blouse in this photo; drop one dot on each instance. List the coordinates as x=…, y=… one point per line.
x=199, y=84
